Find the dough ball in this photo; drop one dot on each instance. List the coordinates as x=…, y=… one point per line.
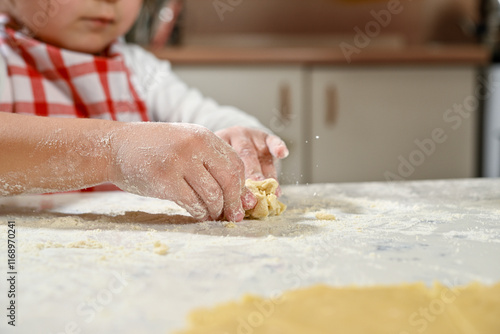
x=267, y=201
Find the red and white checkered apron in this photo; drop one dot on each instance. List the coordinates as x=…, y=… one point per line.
x=45, y=80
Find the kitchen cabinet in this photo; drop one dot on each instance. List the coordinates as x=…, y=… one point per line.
x=372, y=123
x=273, y=94
x=356, y=123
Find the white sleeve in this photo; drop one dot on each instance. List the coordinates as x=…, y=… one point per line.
x=3, y=79
x=168, y=99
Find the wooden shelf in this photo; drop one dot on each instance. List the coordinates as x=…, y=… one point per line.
x=418, y=55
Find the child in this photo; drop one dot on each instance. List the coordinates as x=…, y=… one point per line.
x=62, y=59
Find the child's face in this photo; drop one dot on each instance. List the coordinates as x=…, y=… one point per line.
x=80, y=25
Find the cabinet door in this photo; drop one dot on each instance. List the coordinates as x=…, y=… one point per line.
x=272, y=94
x=375, y=124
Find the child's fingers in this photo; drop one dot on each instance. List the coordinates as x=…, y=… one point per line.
x=231, y=182
x=249, y=155
x=258, y=151
x=208, y=190
x=265, y=157
x=192, y=202
x=248, y=199
x=269, y=170
x=277, y=147
x=267, y=163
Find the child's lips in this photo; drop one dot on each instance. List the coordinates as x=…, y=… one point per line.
x=98, y=22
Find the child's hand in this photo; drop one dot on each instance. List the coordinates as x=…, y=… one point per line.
x=258, y=150
x=184, y=163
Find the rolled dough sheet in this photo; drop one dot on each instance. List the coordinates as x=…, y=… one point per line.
x=402, y=309
x=267, y=201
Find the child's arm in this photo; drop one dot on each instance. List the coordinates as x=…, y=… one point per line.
x=39, y=154
x=183, y=163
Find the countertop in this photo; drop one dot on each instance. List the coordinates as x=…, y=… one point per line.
x=89, y=260
x=309, y=55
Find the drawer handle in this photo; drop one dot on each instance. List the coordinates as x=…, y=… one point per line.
x=285, y=104
x=332, y=102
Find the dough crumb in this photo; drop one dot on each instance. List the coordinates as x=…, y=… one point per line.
x=48, y=244
x=89, y=243
x=230, y=225
x=325, y=216
x=160, y=248
x=267, y=201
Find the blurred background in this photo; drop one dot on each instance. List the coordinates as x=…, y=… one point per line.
x=361, y=90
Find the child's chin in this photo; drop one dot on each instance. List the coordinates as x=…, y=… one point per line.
x=89, y=45
x=87, y=49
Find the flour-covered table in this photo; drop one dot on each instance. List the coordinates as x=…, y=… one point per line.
x=118, y=263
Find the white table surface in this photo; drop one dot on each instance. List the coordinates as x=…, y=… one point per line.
x=385, y=233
